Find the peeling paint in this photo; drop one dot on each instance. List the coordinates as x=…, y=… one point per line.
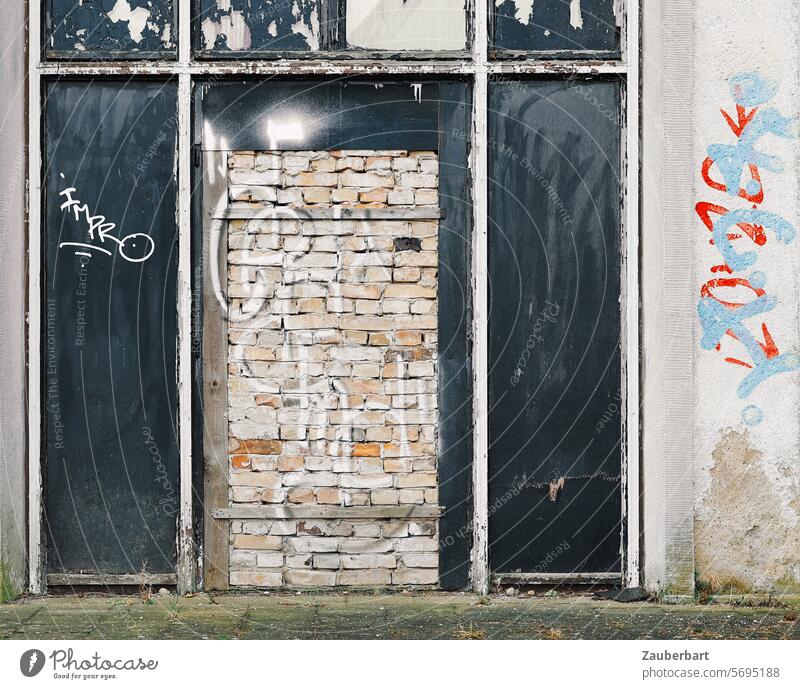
x=237, y=25
x=554, y=488
x=575, y=14
x=746, y=530
x=111, y=26
x=577, y=25
x=136, y=18
x=523, y=12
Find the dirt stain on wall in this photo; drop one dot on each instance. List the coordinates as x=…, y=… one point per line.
x=745, y=543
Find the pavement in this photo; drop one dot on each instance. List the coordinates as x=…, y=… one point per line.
x=409, y=615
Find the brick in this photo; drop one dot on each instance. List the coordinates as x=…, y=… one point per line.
x=272, y=401
x=263, y=194
x=256, y=579
x=416, y=544
x=365, y=481
x=255, y=177
x=420, y=577
x=312, y=544
x=241, y=160
x=366, y=450
x=283, y=527
x=364, y=577
x=365, y=545
x=369, y=561
x=367, y=179
x=240, y=462
x=301, y=495
x=315, y=179
x=377, y=195
x=309, y=578
x=329, y=496
x=397, y=465
x=421, y=528
x=411, y=496
x=422, y=560
x=367, y=530
x=245, y=542
x=260, y=479
x=259, y=447
x=344, y=195
x=309, y=321
x=378, y=163
x=384, y=497
x=350, y=163
x=316, y=195
x=272, y=496
x=271, y=559
x=326, y=561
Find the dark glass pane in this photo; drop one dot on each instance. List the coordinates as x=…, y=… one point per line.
x=110, y=327
x=259, y=25
x=554, y=326
x=556, y=25
x=110, y=28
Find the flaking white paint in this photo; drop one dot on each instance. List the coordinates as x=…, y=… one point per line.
x=575, y=14
x=136, y=18
x=524, y=10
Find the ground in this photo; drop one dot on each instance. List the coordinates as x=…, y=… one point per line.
x=386, y=616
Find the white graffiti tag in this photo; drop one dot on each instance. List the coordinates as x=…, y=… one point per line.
x=135, y=248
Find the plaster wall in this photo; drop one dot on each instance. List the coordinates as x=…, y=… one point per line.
x=745, y=414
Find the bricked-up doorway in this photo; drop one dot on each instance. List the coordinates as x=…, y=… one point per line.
x=334, y=382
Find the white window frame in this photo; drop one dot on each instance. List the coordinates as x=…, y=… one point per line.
x=186, y=70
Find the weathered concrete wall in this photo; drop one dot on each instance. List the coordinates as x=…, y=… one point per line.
x=12, y=304
x=332, y=373
x=746, y=262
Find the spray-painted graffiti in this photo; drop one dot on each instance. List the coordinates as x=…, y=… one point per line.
x=733, y=309
x=135, y=248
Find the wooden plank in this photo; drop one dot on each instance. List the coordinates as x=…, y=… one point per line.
x=215, y=372
x=326, y=512
x=480, y=314
x=334, y=213
x=532, y=579
x=36, y=581
x=101, y=579
x=187, y=569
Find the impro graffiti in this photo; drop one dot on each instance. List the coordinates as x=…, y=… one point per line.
x=733, y=306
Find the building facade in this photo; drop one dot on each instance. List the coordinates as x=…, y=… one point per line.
x=391, y=293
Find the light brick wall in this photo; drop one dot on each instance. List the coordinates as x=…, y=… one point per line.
x=333, y=368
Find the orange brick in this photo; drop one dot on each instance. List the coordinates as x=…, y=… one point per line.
x=240, y=462
x=260, y=447
x=366, y=450
x=268, y=401
x=407, y=337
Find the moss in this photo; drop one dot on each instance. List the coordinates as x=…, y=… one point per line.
x=787, y=585
x=8, y=591
x=703, y=589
